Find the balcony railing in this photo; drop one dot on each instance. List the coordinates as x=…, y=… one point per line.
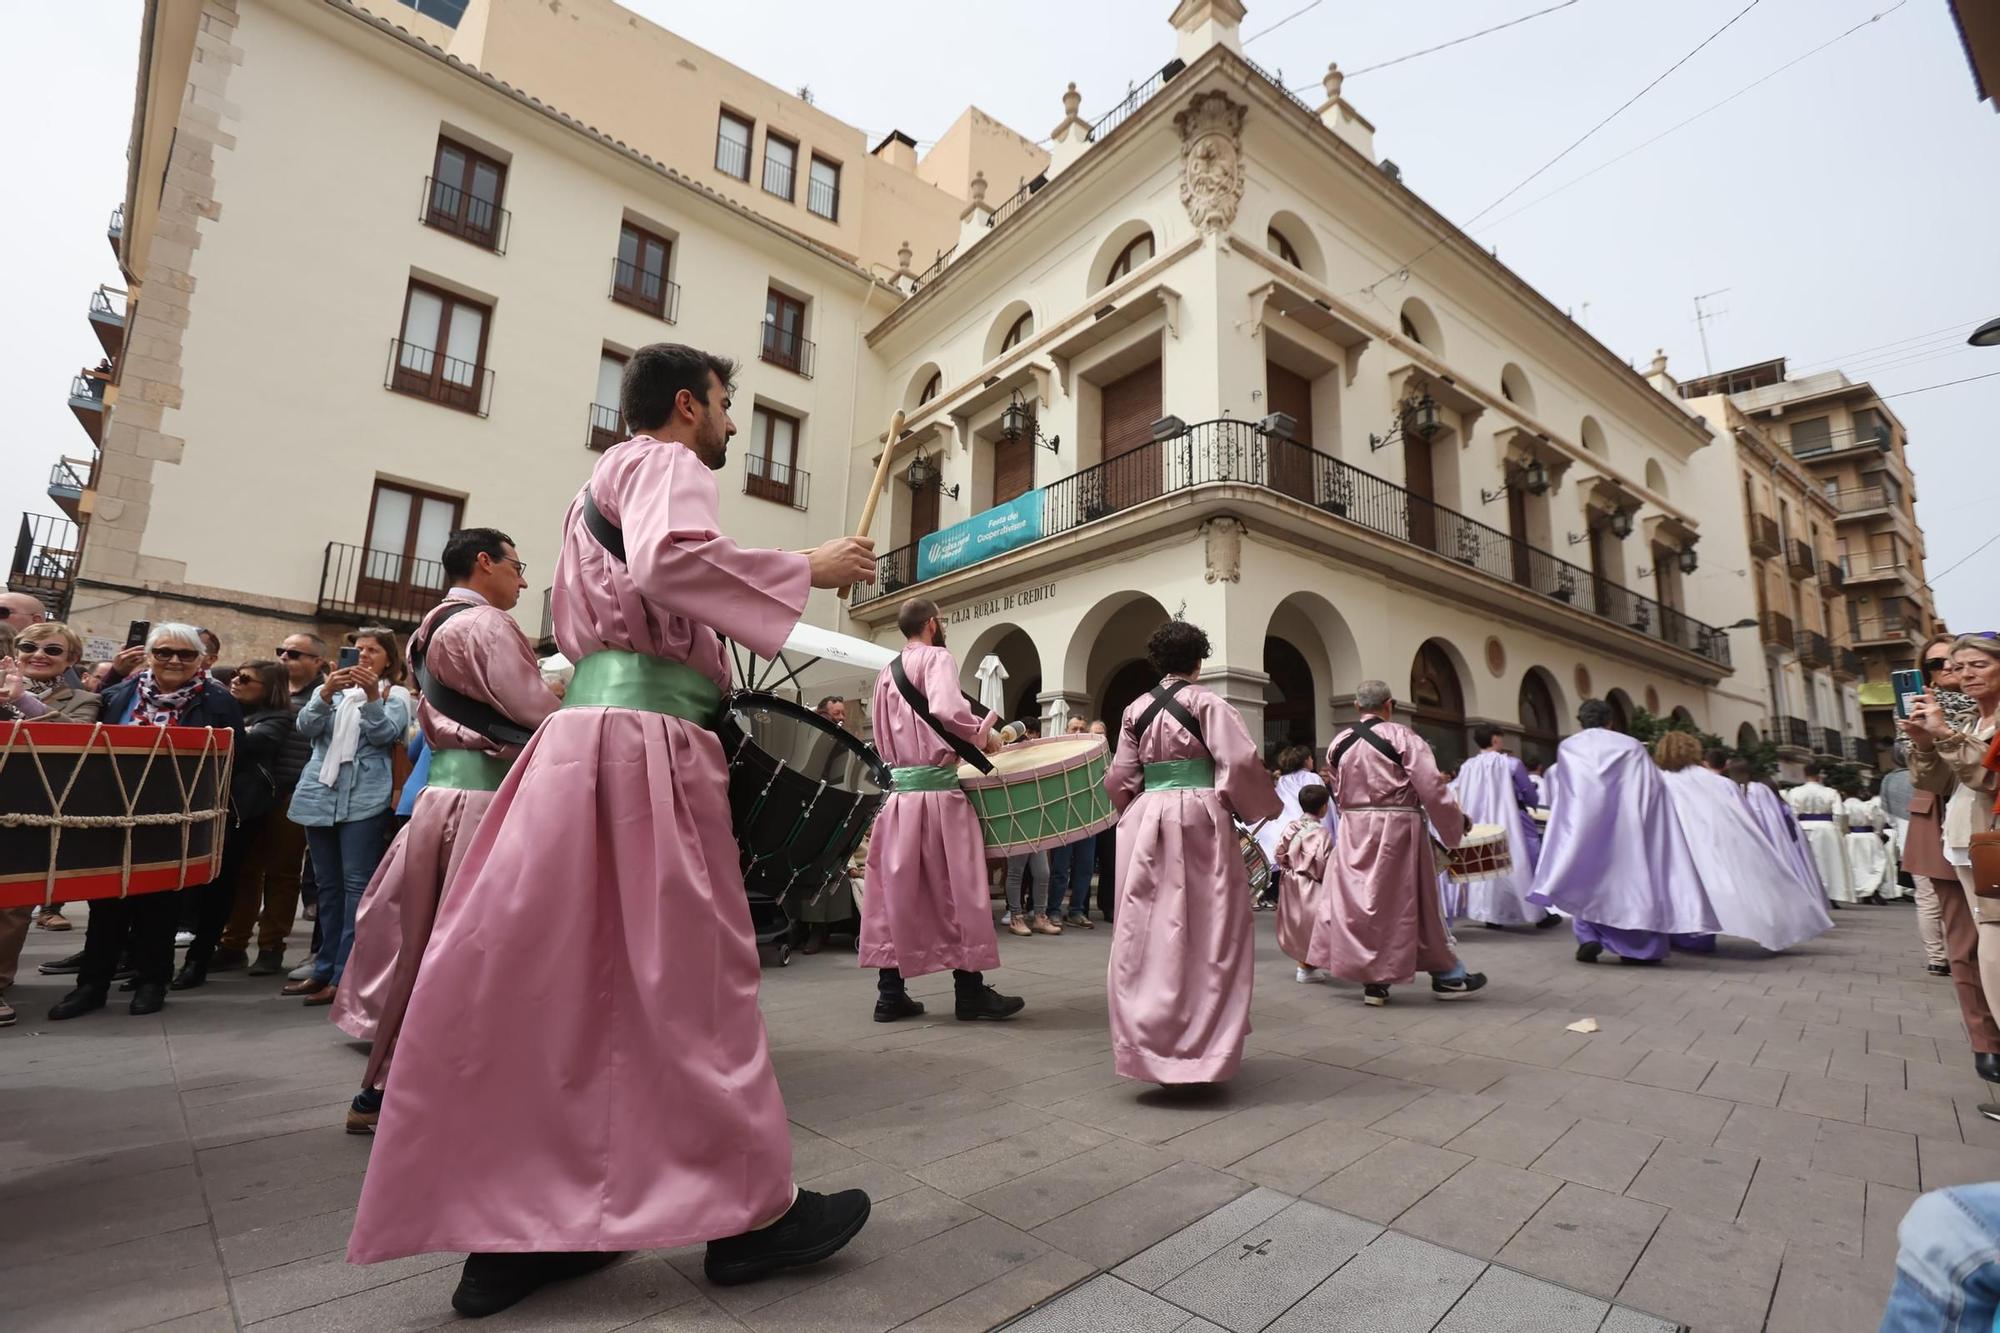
x=363, y=586
x=68, y=480
x=645, y=289
x=779, y=482
x=1832, y=578
x=1887, y=629
x=1861, y=750
x=1777, y=628
x=107, y=319
x=86, y=400
x=446, y=380
x=823, y=199
x=464, y=215
x=1018, y=200
x=1813, y=648
x=114, y=230
x=779, y=177
x=1135, y=99
x=1801, y=561
x=1765, y=539
x=1830, y=743
x=1863, y=500
x=785, y=347
x=1792, y=731
x=1846, y=664
x=937, y=267
x=1236, y=452
x=1887, y=571
x=732, y=158
x=45, y=556
x=1875, y=441
x=603, y=427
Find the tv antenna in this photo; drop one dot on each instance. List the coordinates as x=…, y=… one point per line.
x=1702, y=317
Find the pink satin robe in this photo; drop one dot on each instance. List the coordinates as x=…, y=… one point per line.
x=1303, y=848
x=1182, y=940
x=483, y=655
x=925, y=905
x=584, y=1065
x=1380, y=918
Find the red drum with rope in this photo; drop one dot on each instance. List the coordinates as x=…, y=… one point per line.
x=95, y=811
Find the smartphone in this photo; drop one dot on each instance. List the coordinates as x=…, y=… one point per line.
x=349, y=656
x=136, y=632
x=1909, y=687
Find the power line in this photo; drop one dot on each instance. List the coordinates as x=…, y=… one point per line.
x=1905, y=393
x=1309, y=5
x=1456, y=41
x=1975, y=550
x=1894, y=342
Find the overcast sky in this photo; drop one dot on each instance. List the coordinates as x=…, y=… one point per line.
x=1847, y=204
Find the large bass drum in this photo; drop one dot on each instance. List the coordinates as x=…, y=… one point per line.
x=802, y=793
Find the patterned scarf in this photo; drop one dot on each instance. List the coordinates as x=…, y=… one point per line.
x=162, y=708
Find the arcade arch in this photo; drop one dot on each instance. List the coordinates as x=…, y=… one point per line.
x=1541, y=716
x=1019, y=658
x=1437, y=702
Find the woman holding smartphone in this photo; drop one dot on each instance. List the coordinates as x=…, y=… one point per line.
x=354, y=719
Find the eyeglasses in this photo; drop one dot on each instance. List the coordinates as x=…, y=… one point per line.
x=246, y=680
x=176, y=654
x=1936, y=663
x=52, y=647
x=520, y=567
x=293, y=654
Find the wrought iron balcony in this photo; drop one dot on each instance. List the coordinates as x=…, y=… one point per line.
x=823, y=199
x=1831, y=744
x=86, y=400
x=644, y=289
x=114, y=231
x=363, y=587
x=107, y=319
x=424, y=373
x=1864, y=500
x=1800, y=560
x=1846, y=664
x=45, y=558
x=1795, y=732
x=603, y=427
x=1777, y=628
x=1135, y=99
x=1832, y=577
x=1765, y=539
x=457, y=212
x=1812, y=648
x=1886, y=572
x=1861, y=750
x=1887, y=629
x=778, y=482
x=1237, y=452
x=786, y=348
x=930, y=274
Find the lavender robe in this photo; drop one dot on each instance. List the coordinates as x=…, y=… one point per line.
x=584, y=1066
x=1303, y=848
x=926, y=906
x=1182, y=939
x=1781, y=828
x=1752, y=890
x=1493, y=787
x=1381, y=917
x=483, y=655
x=1613, y=856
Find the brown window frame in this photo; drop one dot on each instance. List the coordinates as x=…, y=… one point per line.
x=775, y=333
x=749, y=143
x=1123, y=265
x=456, y=222
x=385, y=592
x=1017, y=331
x=624, y=293
x=820, y=159
x=790, y=194
x=1283, y=248
x=765, y=486
x=932, y=388
x=432, y=387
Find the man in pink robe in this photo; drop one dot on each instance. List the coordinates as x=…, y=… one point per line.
x=1303, y=847
x=925, y=906
x=482, y=696
x=1380, y=918
x=583, y=1067
x=1182, y=941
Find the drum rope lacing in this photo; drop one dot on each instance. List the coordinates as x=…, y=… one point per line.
x=21, y=738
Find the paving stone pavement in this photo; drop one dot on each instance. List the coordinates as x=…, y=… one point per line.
x=1731, y=1150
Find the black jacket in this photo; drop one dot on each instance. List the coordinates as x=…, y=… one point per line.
x=291, y=758
x=253, y=786
x=211, y=708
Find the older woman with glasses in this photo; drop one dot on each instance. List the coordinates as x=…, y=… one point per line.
x=171, y=691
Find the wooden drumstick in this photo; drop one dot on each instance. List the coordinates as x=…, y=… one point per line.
x=875, y=486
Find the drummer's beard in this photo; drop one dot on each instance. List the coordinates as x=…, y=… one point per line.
x=937, y=634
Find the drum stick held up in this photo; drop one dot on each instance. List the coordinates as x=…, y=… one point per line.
x=875, y=486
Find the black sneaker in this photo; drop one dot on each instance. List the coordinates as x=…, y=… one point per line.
x=1589, y=952
x=269, y=963
x=1492, y=925
x=63, y=967
x=364, y=1111
x=1938, y=969
x=815, y=1227
x=988, y=1003
x=191, y=976
x=1464, y=985
x=1374, y=996
x=490, y=1283
x=228, y=960
x=77, y=1003
x=889, y=1008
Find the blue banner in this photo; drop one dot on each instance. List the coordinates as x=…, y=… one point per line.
x=981, y=537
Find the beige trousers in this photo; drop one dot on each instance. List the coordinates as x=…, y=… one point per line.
x=1930, y=922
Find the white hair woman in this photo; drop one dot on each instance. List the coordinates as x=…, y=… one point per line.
x=171, y=691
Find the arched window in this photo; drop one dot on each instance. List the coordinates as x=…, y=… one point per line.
x=1275, y=241
x=1019, y=329
x=931, y=387
x=1437, y=703
x=1541, y=726
x=1137, y=251
x=1515, y=388
x=1410, y=330
x=1621, y=711
x=1421, y=327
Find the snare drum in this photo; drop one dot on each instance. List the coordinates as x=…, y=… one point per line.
x=1482, y=854
x=1041, y=794
x=1255, y=863
x=802, y=793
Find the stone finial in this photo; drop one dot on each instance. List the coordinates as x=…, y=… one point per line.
x=904, y=254
x=1334, y=78
x=1659, y=361
x=977, y=189
x=1071, y=101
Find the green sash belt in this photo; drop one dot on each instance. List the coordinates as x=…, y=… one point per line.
x=923, y=777
x=614, y=678
x=467, y=770
x=1180, y=775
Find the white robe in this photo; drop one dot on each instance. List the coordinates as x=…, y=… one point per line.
x=1289, y=787
x=1824, y=836
x=1754, y=893
x=1485, y=791
x=1869, y=867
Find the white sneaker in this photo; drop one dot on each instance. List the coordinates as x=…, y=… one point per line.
x=302, y=971
x=1305, y=976
x=183, y=938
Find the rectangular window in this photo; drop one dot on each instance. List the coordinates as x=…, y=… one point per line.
x=406, y=532
x=1812, y=437
x=639, y=278
x=771, y=466
x=465, y=194
x=784, y=333
x=1892, y=491
x=823, y=190
x=1871, y=429
x=607, y=427
x=781, y=165
x=442, y=352
x=732, y=146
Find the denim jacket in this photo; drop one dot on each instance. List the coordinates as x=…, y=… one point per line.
x=364, y=785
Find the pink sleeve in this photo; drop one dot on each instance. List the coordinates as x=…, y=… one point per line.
x=1240, y=776
x=1446, y=816
x=948, y=703
x=484, y=654
x=680, y=560
x=1314, y=846
x=1126, y=777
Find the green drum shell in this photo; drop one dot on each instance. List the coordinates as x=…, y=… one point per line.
x=1034, y=809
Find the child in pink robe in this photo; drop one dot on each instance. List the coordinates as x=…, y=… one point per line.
x=1182, y=941
x=1303, y=848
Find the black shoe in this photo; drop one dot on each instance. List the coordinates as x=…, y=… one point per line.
x=1838, y=907
x=149, y=997
x=269, y=963
x=813, y=1228
x=1464, y=985
x=986, y=1003
x=1938, y=969
x=79, y=1001
x=1987, y=1065
x=1492, y=925
x=1549, y=922
x=124, y=971
x=63, y=967
x=189, y=977
x=228, y=960
x=1640, y=962
x=1589, y=952
x=490, y=1283
x=1374, y=996
x=889, y=1008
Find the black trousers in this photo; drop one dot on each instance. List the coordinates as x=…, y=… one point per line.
x=144, y=925
x=1107, y=871
x=214, y=901
x=890, y=982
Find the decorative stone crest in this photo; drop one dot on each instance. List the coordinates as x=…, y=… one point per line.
x=1222, y=546
x=1211, y=129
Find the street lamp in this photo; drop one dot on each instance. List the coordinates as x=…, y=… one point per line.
x=1986, y=335
x=922, y=473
